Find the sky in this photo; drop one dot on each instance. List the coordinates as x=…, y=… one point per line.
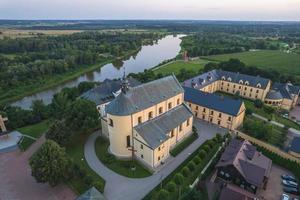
x=258, y=10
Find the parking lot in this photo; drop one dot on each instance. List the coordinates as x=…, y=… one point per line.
x=274, y=188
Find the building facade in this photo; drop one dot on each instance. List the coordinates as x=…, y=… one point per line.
x=147, y=121
x=220, y=110
x=246, y=86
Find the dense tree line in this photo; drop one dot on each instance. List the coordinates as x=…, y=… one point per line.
x=28, y=60
x=213, y=43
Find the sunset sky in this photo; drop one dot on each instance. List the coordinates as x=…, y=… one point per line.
x=154, y=9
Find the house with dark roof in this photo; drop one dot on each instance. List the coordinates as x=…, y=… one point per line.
x=220, y=110
x=295, y=147
x=247, y=86
x=232, y=192
x=282, y=95
x=106, y=92
x=147, y=121
x=244, y=166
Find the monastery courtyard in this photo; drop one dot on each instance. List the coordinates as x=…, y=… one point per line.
x=134, y=189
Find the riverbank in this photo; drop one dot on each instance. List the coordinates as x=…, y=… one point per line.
x=51, y=82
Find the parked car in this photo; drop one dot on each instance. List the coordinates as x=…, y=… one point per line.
x=285, y=197
x=286, y=115
x=289, y=183
x=288, y=177
x=291, y=190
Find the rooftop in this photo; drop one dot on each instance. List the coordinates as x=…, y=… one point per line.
x=216, y=102
x=106, y=91
x=295, y=146
x=144, y=96
x=235, y=193
x=155, y=131
x=250, y=163
x=285, y=90
x=204, y=79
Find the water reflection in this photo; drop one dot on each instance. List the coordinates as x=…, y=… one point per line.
x=149, y=56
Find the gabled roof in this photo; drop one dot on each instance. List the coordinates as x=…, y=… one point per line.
x=232, y=192
x=250, y=163
x=91, y=194
x=295, y=146
x=155, y=131
x=144, y=96
x=286, y=90
x=105, y=92
x=216, y=102
x=207, y=78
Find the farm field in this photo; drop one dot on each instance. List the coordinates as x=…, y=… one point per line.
x=15, y=33
x=177, y=65
x=288, y=63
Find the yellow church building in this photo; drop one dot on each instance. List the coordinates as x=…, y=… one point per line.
x=147, y=120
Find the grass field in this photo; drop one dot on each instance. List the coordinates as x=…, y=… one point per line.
x=35, y=131
x=176, y=66
x=120, y=166
x=75, y=151
x=283, y=62
x=15, y=33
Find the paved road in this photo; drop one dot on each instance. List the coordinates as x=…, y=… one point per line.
x=16, y=182
x=119, y=187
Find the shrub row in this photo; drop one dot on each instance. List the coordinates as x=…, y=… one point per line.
x=179, y=180
x=185, y=143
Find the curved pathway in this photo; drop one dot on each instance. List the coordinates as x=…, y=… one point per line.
x=118, y=187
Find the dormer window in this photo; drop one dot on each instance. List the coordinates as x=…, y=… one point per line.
x=258, y=85
x=223, y=78
x=241, y=82
x=247, y=83
x=229, y=79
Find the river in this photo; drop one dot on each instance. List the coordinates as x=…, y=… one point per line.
x=148, y=57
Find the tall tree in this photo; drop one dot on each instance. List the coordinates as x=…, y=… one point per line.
x=49, y=163
x=59, y=133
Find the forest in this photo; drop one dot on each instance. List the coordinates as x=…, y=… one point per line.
x=27, y=61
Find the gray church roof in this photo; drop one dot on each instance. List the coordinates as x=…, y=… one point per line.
x=287, y=90
x=144, y=96
x=273, y=94
x=207, y=78
x=104, y=92
x=295, y=146
x=155, y=131
x=216, y=102
x=91, y=194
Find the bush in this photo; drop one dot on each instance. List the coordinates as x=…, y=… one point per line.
x=185, y=171
x=211, y=143
x=98, y=185
x=202, y=154
x=191, y=166
x=206, y=148
x=269, y=109
x=219, y=137
x=178, y=178
x=171, y=186
x=163, y=194
x=258, y=103
x=249, y=111
x=88, y=180
x=196, y=160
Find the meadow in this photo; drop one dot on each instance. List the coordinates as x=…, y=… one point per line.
x=176, y=66
x=288, y=63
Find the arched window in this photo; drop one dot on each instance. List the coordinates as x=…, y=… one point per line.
x=258, y=85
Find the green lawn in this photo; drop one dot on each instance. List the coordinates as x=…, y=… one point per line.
x=35, y=131
x=277, y=136
x=288, y=63
x=122, y=167
x=176, y=66
x=75, y=151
